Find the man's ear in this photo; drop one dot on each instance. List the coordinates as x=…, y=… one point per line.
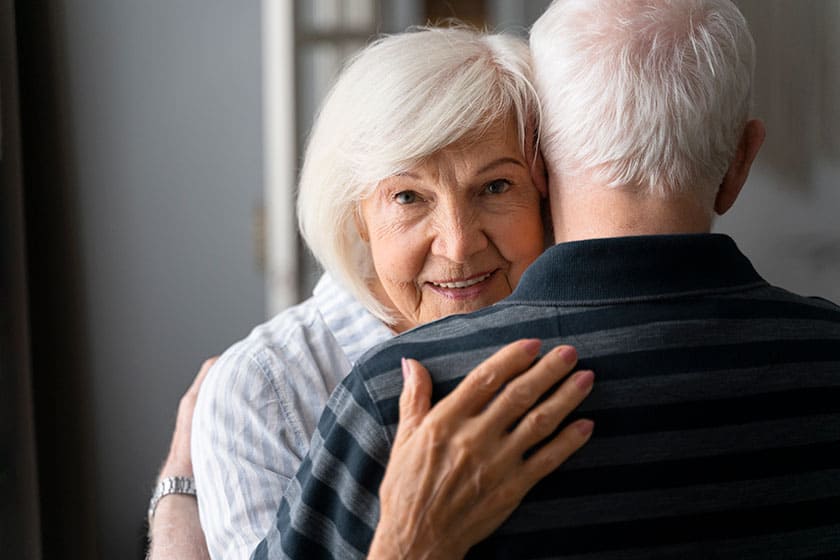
x=739, y=169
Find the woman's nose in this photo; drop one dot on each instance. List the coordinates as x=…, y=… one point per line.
x=459, y=236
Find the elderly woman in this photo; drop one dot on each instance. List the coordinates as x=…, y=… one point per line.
x=420, y=195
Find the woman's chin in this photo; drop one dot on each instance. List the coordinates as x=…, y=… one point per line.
x=462, y=300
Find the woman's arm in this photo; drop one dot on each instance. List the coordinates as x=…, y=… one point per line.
x=174, y=528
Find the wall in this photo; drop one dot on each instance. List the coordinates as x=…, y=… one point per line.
x=143, y=173
x=786, y=217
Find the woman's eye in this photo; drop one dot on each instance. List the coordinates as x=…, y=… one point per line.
x=405, y=197
x=497, y=187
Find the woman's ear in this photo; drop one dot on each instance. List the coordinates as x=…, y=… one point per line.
x=361, y=226
x=539, y=175
x=739, y=169
x=534, y=159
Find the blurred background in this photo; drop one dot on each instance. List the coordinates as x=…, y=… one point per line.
x=148, y=157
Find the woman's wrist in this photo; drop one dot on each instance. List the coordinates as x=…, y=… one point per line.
x=406, y=543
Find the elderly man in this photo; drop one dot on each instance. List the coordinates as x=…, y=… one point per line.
x=717, y=410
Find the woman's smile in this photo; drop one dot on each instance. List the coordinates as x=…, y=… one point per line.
x=464, y=288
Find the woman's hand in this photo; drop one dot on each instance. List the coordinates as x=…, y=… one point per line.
x=457, y=471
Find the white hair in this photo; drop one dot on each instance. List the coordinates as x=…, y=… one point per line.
x=652, y=94
x=400, y=100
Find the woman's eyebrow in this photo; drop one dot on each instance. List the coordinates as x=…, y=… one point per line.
x=498, y=162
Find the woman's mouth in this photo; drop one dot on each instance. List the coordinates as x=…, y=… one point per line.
x=463, y=283
x=462, y=288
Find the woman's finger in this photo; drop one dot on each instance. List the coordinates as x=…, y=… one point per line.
x=483, y=382
x=415, y=398
x=521, y=394
x=544, y=419
x=554, y=453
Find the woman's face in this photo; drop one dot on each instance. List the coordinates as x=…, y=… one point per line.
x=455, y=233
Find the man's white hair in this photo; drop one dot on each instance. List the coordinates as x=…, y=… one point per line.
x=652, y=94
x=400, y=100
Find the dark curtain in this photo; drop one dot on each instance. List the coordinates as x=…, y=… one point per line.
x=46, y=475
x=19, y=518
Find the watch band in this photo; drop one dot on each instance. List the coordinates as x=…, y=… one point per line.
x=170, y=485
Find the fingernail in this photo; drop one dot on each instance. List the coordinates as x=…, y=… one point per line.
x=585, y=379
x=585, y=427
x=567, y=353
x=532, y=345
x=406, y=369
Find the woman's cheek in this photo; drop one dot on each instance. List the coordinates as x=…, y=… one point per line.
x=395, y=258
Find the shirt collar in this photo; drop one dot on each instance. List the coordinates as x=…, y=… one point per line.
x=354, y=328
x=614, y=269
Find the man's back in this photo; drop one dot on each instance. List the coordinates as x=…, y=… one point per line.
x=716, y=409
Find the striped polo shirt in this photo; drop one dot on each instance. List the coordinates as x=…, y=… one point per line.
x=716, y=409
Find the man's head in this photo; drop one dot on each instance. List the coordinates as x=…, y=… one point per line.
x=647, y=102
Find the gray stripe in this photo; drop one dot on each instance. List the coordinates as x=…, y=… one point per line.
x=781, y=546
x=647, y=297
x=705, y=443
x=335, y=474
x=653, y=504
x=322, y=530
x=711, y=385
x=310, y=523
x=695, y=334
x=365, y=430
x=683, y=334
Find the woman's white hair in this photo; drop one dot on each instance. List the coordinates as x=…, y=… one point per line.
x=400, y=100
x=652, y=94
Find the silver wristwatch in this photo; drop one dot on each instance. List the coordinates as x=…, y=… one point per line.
x=170, y=485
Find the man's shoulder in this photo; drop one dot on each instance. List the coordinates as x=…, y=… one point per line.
x=786, y=301
x=449, y=348
x=440, y=338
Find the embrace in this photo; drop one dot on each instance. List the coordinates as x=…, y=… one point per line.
x=491, y=216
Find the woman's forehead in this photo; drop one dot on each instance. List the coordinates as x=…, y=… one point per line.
x=477, y=148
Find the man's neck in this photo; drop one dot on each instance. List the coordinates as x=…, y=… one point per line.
x=592, y=211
